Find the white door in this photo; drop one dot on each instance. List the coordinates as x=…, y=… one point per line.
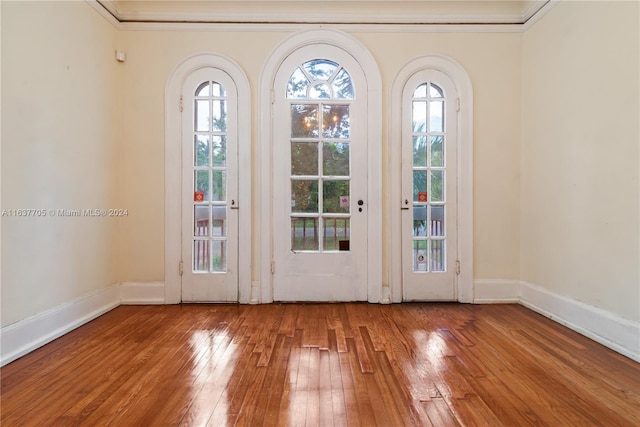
x=209, y=187
x=429, y=122
x=319, y=177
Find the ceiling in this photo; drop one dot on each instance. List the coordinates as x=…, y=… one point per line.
x=321, y=11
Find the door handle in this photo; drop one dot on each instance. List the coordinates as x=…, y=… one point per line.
x=233, y=205
x=406, y=205
x=360, y=203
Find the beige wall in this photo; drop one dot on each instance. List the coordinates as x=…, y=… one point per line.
x=492, y=61
x=579, y=196
x=60, y=134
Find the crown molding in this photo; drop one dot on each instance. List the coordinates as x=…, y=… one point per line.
x=141, y=20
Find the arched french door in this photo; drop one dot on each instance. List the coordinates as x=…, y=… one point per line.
x=319, y=166
x=431, y=157
x=207, y=181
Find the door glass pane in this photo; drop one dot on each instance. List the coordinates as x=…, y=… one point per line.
x=202, y=116
x=420, y=151
x=201, y=220
x=421, y=91
x=437, y=151
x=298, y=84
x=218, y=255
x=201, y=256
x=419, y=116
x=343, y=85
x=420, y=220
x=335, y=121
x=218, y=228
x=335, y=159
x=320, y=69
x=219, y=115
x=335, y=196
x=219, y=186
x=437, y=256
x=201, y=185
x=320, y=91
x=203, y=89
x=437, y=182
x=435, y=91
x=219, y=150
x=218, y=90
x=436, y=116
x=437, y=220
x=304, y=234
x=304, y=196
x=304, y=121
x=419, y=185
x=201, y=150
x=419, y=255
x=304, y=158
x=336, y=234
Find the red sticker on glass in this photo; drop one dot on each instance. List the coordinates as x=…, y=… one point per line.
x=422, y=196
x=198, y=196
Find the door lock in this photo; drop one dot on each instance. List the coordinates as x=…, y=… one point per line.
x=405, y=207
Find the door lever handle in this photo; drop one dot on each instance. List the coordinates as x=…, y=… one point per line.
x=406, y=205
x=233, y=205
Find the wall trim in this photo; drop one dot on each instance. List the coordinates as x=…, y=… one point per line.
x=143, y=293
x=27, y=335
x=602, y=326
x=606, y=328
x=496, y=291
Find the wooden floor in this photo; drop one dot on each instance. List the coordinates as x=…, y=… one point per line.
x=321, y=365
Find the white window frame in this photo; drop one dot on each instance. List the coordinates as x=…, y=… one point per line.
x=464, y=146
x=374, y=161
x=173, y=173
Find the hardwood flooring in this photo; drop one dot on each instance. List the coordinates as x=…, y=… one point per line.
x=432, y=364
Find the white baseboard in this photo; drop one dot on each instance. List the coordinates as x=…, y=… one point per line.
x=25, y=336
x=606, y=328
x=496, y=291
x=143, y=293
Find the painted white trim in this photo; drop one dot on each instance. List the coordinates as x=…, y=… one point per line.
x=265, y=162
x=142, y=293
x=25, y=336
x=464, y=145
x=604, y=327
x=496, y=291
x=173, y=171
x=351, y=28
